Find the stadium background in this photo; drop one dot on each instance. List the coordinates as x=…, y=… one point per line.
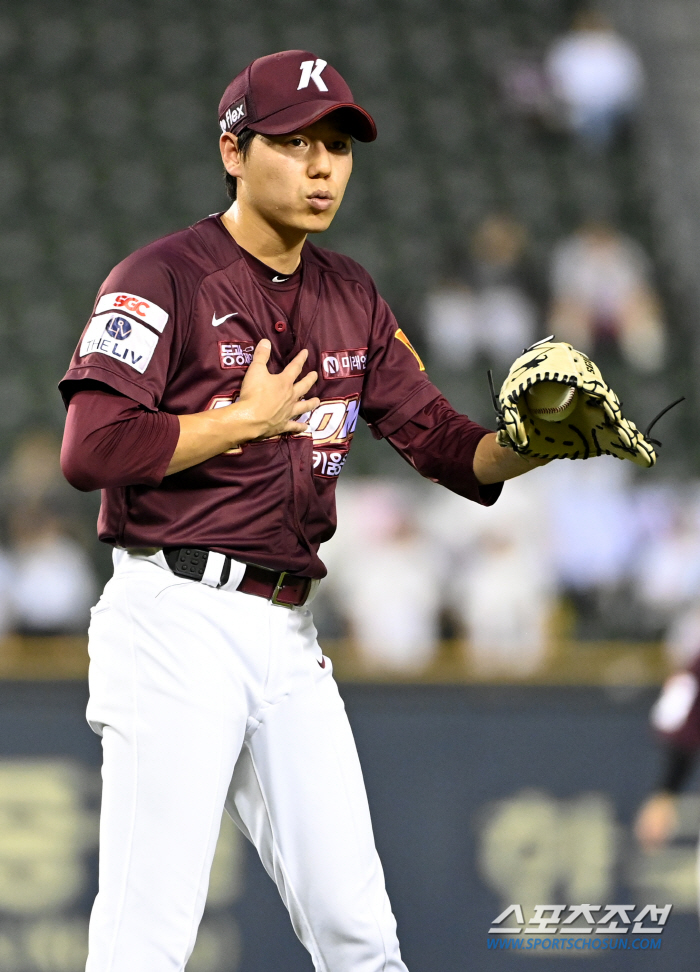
x=486, y=788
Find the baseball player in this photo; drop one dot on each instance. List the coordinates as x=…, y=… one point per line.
x=676, y=719
x=213, y=398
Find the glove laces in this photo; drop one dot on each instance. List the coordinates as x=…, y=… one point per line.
x=660, y=415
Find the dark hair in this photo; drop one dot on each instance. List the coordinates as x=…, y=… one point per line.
x=245, y=137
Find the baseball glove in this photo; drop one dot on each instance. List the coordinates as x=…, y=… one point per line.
x=595, y=427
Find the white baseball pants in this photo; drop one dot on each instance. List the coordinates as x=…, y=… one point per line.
x=208, y=698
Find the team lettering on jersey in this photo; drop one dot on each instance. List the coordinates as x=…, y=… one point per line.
x=333, y=422
x=331, y=426
x=329, y=464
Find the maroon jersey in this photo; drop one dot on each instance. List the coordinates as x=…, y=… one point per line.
x=174, y=328
x=676, y=713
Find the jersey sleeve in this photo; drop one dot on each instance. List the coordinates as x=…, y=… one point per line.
x=111, y=441
x=396, y=386
x=441, y=444
x=678, y=766
x=676, y=714
x=137, y=325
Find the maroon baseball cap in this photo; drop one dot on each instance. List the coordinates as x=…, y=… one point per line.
x=283, y=92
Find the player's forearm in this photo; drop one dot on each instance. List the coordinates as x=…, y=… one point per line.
x=494, y=463
x=212, y=433
x=440, y=443
x=111, y=441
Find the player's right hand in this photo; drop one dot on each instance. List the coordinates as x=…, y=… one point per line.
x=272, y=403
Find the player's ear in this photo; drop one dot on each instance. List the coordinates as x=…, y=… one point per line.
x=231, y=155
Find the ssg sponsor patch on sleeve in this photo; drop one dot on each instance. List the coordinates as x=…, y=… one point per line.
x=120, y=338
x=138, y=307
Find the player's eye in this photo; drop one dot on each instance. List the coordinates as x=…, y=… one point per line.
x=296, y=142
x=340, y=145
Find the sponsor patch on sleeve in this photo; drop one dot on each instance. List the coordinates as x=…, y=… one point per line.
x=404, y=340
x=138, y=307
x=120, y=338
x=344, y=364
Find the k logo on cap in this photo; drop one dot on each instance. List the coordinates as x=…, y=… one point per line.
x=287, y=91
x=311, y=71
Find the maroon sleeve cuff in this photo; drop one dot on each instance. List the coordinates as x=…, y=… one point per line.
x=441, y=443
x=111, y=440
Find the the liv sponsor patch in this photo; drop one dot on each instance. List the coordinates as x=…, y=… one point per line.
x=121, y=338
x=233, y=354
x=138, y=307
x=344, y=364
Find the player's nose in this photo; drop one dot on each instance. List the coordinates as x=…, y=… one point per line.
x=320, y=163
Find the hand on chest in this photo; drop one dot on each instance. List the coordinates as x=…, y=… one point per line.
x=225, y=332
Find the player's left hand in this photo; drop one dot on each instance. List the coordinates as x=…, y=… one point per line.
x=595, y=427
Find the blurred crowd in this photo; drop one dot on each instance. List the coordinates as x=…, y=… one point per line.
x=599, y=296
x=580, y=550
x=47, y=577
x=589, y=83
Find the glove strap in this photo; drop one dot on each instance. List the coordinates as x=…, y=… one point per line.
x=660, y=415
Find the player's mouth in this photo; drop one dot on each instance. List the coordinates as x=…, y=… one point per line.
x=320, y=200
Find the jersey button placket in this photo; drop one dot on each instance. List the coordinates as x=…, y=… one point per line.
x=280, y=327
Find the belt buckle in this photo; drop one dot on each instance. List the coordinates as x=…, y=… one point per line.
x=278, y=586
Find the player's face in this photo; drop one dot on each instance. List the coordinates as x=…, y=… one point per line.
x=296, y=181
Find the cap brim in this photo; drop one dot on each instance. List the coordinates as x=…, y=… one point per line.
x=356, y=122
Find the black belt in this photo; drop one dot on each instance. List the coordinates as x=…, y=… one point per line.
x=278, y=586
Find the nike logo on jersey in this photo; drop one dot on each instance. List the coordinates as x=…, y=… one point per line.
x=215, y=321
x=280, y=279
